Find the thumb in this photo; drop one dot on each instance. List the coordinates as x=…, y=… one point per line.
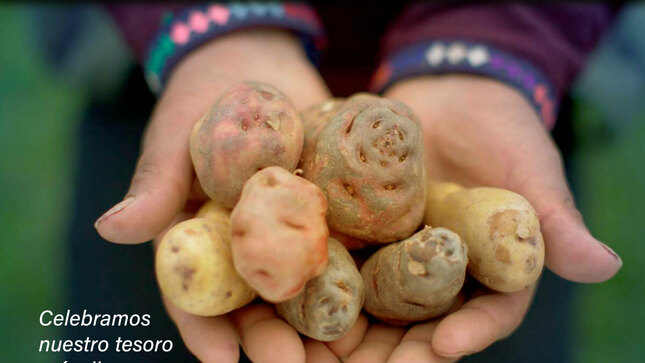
x=571, y=251
x=161, y=183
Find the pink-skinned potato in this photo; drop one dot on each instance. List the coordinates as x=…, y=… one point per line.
x=251, y=126
x=194, y=267
x=279, y=233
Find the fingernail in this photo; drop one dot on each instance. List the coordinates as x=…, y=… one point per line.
x=611, y=252
x=117, y=208
x=454, y=355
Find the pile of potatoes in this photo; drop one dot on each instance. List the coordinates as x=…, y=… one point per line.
x=291, y=193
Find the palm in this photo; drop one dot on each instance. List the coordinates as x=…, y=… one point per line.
x=481, y=135
x=480, y=132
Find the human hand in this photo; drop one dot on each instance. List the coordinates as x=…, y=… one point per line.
x=164, y=189
x=479, y=131
x=476, y=320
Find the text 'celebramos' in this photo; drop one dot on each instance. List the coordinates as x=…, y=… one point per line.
x=47, y=318
x=85, y=319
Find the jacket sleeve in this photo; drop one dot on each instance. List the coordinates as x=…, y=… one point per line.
x=160, y=35
x=538, y=49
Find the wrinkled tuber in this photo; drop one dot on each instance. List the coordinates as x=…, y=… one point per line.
x=279, y=234
x=330, y=303
x=415, y=279
x=368, y=159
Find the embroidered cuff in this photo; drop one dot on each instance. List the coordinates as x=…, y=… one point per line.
x=186, y=30
x=460, y=56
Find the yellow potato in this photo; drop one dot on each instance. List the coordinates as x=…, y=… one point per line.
x=212, y=210
x=500, y=228
x=195, y=271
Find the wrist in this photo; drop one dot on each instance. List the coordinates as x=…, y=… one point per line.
x=190, y=29
x=467, y=98
x=269, y=55
x=448, y=56
x=255, y=53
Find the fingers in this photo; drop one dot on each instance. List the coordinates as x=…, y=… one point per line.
x=480, y=322
x=317, y=352
x=571, y=251
x=377, y=345
x=210, y=339
x=416, y=346
x=344, y=346
x=161, y=182
x=267, y=338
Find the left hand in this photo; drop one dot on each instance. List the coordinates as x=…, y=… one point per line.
x=478, y=131
x=164, y=190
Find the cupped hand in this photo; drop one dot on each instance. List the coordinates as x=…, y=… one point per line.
x=479, y=131
x=164, y=189
x=474, y=322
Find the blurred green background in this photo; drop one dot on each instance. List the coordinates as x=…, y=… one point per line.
x=42, y=96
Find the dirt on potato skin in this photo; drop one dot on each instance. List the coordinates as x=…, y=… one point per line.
x=368, y=159
x=500, y=227
x=415, y=279
x=330, y=303
x=251, y=126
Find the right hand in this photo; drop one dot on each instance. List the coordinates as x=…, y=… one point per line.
x=479, y=131
x=164, y=189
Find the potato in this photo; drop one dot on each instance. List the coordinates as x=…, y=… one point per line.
x=415, y=279
x=368, y=159
x=501, y=229
x=317, y=116
x=330, y=303
x=195, y=271
x=251, y=126
x=351, y=243
x=212, y=210
x=279, y=236
x=314, y=118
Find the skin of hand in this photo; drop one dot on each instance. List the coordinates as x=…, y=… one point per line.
x=164, y=189
x=479, y=131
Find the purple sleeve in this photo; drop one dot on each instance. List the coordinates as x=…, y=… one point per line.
x=160, y=35
x=538, y=49
x=139, y=23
